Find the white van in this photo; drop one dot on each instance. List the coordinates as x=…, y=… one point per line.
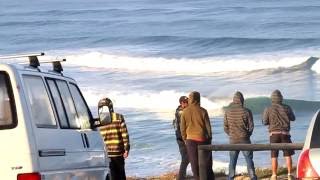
x=46, y=128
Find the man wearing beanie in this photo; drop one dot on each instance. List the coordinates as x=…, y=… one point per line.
x=238, y=124
x=278, y=117
x=196, y=130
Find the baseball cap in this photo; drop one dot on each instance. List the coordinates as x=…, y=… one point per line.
x=183, y=99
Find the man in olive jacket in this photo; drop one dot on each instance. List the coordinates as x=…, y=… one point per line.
x=238, y=124
x=196, y=130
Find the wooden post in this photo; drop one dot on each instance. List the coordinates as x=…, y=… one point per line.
x=202, y=163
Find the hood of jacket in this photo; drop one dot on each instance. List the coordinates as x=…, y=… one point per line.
x=276, y=97
x=238, y=98
x=194, y=98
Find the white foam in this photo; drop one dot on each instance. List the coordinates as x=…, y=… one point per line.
x=98, y=61
x=162, y=103
x=316, y=67
x=219, y=166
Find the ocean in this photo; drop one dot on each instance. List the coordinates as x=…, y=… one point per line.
x=145, y=54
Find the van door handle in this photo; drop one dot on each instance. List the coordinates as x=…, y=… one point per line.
x=51, y=152
x=86, y=140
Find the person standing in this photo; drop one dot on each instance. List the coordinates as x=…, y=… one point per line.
x=238, y=124
x=183, y=100
x=278, y=117
x=116, y=139
x=196, y=130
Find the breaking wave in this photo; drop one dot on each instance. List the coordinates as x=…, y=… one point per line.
x=97, y=61
x=164, y=103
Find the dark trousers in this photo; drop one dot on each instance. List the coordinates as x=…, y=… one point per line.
x=117, y=168
x=184, y=160
x=192, y=149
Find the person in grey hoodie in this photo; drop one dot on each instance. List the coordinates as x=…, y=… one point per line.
x=238, y=124
x=278, y=117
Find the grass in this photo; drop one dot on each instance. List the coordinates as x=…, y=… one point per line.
x=266, y=173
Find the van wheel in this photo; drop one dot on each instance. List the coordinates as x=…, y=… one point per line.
x=108, y=178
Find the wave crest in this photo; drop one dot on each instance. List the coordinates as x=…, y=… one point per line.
x=162, y=103
x=183, y=66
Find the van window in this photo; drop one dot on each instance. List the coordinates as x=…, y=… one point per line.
x=37, y=95
x=68, y=104
x=81, y=106
x=7, y=106
x=58, y=104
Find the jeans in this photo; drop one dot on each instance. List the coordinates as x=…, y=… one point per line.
x=184, y=160
x=248, y=155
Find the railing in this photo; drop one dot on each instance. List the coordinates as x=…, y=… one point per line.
x=204, y=149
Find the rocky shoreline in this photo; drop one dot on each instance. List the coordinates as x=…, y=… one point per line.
x=263, y=174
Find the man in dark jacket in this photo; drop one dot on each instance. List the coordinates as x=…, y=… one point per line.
x=196, y=130
x=278, y=117
x=183, y=100
x=238, y=124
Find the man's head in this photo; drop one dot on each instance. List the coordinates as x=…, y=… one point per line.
x=183, y=100
x=106, y=102
x=276, y=97
x=194, y=98
x=238, y=98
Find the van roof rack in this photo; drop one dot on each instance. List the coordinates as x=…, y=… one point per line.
x=34, y=61
x=57, y=67
x=33, y=58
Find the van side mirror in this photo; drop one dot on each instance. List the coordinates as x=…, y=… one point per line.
x=104, y=115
